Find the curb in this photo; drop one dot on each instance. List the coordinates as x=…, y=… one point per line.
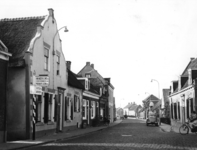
x=67, y=138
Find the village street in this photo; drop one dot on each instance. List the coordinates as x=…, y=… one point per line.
x=129, y=134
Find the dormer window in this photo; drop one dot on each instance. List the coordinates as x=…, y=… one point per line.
x=87, y=75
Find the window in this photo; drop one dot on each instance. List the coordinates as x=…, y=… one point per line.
x=179, y=115
x=84, y=109
x=38, y=107
x=67, y=108
x=46, y=59
x=58, y=65
x=76, y=103
x=68, y=114
x=87, y=75
x=93, y=109
x=47, y=107
x=71, y=109
x=175, y=111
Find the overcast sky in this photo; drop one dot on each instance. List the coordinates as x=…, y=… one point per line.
x=130, y=41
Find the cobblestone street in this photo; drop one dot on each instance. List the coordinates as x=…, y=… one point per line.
x=130, y=134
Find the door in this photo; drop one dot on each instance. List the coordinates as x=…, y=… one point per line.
x=60, y=117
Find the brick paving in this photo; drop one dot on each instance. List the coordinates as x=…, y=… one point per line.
x=129, y=134
x=139, y=136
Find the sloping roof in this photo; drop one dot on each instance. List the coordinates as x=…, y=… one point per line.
x=17, y=34
x=165, y=95
x=192, y=64
x=151, y=97
x=96, y=81
x=133, y=107
x=128, y=105
x=72, y=81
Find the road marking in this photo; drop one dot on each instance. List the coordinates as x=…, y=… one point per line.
x=27, y=142
x=138, y=145
x=126, y=135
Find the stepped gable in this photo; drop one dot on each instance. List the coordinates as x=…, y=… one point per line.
x=17, y=33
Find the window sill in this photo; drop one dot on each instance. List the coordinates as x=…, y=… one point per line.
x=68, y=121
x=50, y=123
x=39, y=124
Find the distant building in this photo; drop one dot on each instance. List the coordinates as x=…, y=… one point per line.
x=151, y=98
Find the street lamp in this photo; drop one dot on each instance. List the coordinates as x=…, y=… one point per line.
x=57, y=100
x=158, y=86
x=65, y=30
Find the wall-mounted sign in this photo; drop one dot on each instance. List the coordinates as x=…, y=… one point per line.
x=35, y=89
x=42, y=80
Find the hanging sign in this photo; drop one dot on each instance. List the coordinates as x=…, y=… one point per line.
x=42, y=80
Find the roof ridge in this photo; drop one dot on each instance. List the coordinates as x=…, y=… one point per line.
x=23, y=18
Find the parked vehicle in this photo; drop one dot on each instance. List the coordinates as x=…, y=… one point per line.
x=152, y=116
x=184, y=128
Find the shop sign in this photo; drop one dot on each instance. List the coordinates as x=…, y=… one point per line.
x=42, y=80
x=35, y=89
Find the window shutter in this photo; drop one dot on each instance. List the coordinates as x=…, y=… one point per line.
x=79, y=104
x=71, y=110
x=66, y=108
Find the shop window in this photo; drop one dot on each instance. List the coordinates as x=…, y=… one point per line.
x=47, y=107
x=38, y=107
x=84, y=109
x=46, y=59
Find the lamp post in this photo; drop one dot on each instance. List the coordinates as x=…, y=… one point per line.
x=58, y=99
x=158, y=86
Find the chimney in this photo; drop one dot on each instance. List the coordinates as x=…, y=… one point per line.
x=92, y=65
x=192, y=58
x=51, y=12
x=68, y=64
x=87, y=63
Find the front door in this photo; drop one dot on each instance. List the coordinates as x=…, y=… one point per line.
x=60, y=117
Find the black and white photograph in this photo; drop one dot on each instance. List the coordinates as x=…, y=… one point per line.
x=98, y=75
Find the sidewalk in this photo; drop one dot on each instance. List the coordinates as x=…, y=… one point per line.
x=53, y=138
x=166, y=128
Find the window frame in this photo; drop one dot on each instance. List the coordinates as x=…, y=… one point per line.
x=46, y=59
